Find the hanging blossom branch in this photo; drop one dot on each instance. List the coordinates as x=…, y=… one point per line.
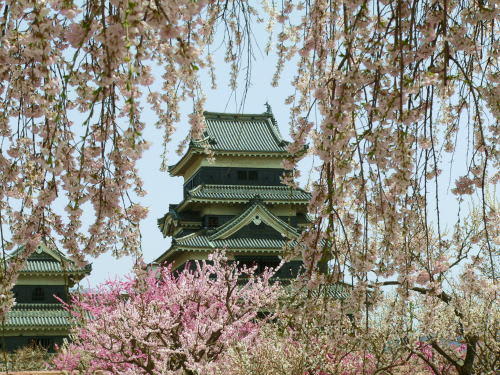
x=398, y=85
x=400, y=88
x=61, y=60
x=403, y=90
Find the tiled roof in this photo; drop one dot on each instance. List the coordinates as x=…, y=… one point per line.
x=245, y=193
x=196, y=242
x=336, y=291
x=242, y=132
x=37, y=306
x=237, y=134
x=48, y=260
x=200, y=242
x=52, y=266
x=38, y=317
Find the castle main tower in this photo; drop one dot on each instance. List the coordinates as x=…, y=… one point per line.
x=238, y=202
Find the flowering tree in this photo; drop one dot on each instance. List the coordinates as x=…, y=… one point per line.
x=398, y=88
x=318, y=336
x=163, y=323
x=309, y=336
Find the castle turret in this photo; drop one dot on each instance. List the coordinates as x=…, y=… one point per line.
x=38, y=316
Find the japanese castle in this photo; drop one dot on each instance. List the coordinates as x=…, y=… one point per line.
x=236, y=203
x=38, y=317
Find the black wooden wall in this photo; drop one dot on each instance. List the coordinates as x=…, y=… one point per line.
x=39, y=293
x=234, y=176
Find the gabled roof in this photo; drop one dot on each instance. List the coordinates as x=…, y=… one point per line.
x=256, y=213
x=279, y=194
x=336, y=291
x=197, y=242
x=237, y=134
x=47, y=261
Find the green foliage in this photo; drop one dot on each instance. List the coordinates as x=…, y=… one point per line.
x=32, y=357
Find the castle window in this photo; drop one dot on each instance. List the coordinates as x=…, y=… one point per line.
x=252, y=175
x=213, y=221
x=38, y=294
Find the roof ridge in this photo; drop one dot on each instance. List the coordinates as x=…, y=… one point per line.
x=222, y=115
x=228, y=186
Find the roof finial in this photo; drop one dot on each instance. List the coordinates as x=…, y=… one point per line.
x=269, y=112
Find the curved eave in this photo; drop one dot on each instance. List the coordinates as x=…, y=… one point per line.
x=188, y=201
x=176, y=249
x=176, y=169
x=170, y=253
x=257, y=209
x=164, y=257
x=79, y=274
x=27, y=327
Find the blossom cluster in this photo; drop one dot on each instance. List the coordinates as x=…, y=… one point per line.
x=398, y=88
x=219, y=318
x=166, y=322
x=318, y=336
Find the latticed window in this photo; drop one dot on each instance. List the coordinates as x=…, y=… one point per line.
x=38, y=294
x=253, y=175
